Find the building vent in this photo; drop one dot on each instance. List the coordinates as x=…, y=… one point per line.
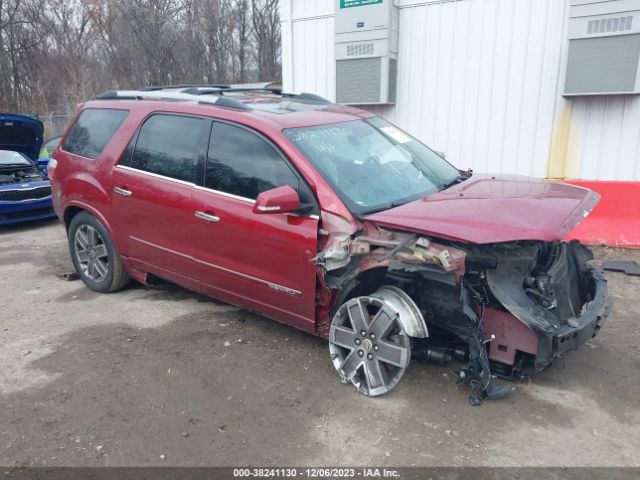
x=618, y=24
x=360, y=49
x=604, y=49
x=366, y=46
x=350, y=87
x=393, y=75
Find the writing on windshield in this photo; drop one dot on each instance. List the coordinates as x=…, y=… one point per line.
x=371, y=164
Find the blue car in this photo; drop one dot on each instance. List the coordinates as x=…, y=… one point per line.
x=25, y=190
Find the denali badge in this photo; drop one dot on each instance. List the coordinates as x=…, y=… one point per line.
x=280, y=288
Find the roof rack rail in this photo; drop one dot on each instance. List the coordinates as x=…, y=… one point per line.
x=199, y=93
x=186, y=85
x=311, y=97
x=113, y=95
x=221, y=91
x=219, y=101
x=226, y=102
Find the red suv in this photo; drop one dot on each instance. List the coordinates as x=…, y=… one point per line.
x=332, y=220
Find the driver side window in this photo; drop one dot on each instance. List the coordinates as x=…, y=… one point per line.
x=244, y=164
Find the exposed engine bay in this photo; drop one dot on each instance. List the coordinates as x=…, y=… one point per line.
x=21, y=174
x=505, y=310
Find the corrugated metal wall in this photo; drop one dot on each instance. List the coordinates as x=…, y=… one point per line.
x=481, y=81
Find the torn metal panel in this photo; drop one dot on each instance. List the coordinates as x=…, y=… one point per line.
x=335, y=239
x=385, y=247
x=553, y=289
x=516, y=305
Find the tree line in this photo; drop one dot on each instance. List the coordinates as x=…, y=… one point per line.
x=56, y=53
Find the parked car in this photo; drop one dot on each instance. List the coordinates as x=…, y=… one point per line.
x=25, y=190
x=334, y=221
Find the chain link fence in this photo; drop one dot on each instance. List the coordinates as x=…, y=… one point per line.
x=54, y=124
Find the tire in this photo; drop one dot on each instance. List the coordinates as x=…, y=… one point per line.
x=94, y=256
x=369, y=346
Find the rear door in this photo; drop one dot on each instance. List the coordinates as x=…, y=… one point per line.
x=152, y=195
x=260, y=261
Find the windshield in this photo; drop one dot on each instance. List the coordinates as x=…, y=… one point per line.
x=371, y=164
x=8, y=157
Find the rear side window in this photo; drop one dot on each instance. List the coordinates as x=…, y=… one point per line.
x=93, y=130
x=167, y=146
x=244, y=164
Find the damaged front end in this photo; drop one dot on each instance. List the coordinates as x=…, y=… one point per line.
x=554, y=290
x=506, y=309
x=535, y=301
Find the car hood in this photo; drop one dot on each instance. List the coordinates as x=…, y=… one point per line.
x=21, y=134
x=493, y=208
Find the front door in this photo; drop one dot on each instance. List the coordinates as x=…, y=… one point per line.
x=260, y=261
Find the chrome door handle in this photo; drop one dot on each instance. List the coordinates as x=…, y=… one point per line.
x=206, y=217
x=122, y=191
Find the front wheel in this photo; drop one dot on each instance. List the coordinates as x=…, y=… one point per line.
x=94, y=256
x=369, y=346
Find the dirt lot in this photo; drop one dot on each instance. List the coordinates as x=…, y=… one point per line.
x=143, y=377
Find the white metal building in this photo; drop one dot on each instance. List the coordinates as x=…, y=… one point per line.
x=486, y=81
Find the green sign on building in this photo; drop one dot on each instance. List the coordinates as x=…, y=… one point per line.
x=358, y=3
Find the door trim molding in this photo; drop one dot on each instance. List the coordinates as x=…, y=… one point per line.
x=225, y=194
x=273, y=286
x=155, y=175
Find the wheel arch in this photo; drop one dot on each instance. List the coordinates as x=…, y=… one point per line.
x=73, y=208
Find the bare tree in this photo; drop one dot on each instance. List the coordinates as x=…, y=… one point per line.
x=55, y=53
x=18, y=45
x=266, y=32
x=243, y=29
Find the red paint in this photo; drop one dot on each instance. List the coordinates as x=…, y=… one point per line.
x=269, y=124
x=276, y=248
x=490, y=209
x=264, y=262
x=282, y=199
x=511, y=336
x=615, y=221
x=264, y=249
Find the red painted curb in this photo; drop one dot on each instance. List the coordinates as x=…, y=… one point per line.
x=615, y=221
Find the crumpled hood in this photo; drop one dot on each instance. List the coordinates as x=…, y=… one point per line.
x=494, y=208
x=20, y=133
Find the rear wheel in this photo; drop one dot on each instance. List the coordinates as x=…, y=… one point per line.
x=369, y=346
x=94, y=256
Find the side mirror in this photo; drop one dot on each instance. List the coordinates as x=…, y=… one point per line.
x=277, y=200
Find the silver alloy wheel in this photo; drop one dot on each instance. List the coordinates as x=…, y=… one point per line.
x=369, y=346
x=91, y=253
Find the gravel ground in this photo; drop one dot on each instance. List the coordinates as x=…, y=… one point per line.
x=163, y=376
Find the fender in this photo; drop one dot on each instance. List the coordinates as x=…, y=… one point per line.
x=90, y=209
x=85, y=192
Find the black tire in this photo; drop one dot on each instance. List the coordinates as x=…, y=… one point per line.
x=102, y=271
